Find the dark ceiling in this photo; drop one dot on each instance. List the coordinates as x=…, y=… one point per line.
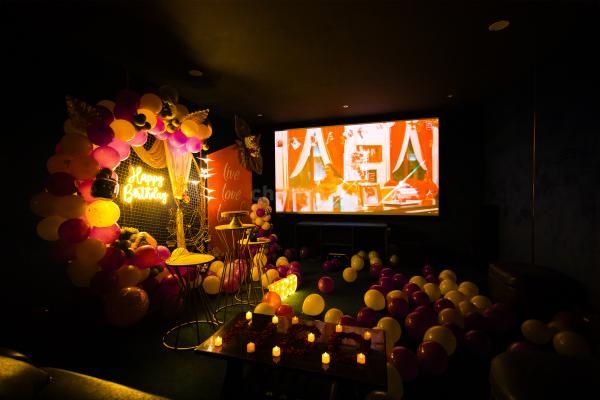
x=302, y=60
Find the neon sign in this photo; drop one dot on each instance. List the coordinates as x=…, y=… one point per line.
x=143, y=186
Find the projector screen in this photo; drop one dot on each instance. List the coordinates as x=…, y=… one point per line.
x=389, y=167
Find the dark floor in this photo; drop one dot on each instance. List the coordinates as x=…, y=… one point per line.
x=75, y=339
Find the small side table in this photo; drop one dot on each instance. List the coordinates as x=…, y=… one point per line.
x=188, y=268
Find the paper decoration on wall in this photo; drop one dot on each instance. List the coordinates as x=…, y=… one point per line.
x=248, y=146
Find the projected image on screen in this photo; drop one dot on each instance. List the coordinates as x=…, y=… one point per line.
x=387, y=167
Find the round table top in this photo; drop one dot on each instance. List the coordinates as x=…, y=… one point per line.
x=189, y=259
x=227, y=227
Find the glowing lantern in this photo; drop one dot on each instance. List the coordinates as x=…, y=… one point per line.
x=285, y=286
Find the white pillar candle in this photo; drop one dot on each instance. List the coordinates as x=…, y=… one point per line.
x=311, y=337
x=325, y=358
x=276, y=351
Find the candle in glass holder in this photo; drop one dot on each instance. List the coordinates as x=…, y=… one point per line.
x=218, y=341
x=250, y=347
x=295, y=320
x=249, y=316
x=338, y=328
x=325, y=358
x=276, y=351
x=275, y=319
x=367, y=335
x=361, y=358
x=311, y=337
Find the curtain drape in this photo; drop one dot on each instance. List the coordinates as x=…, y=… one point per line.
x=155, y=156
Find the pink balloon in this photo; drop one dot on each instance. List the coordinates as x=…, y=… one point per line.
x=73, y=230
x=107, y=157
x=177, y=139
x=100, y=133
x=139, y=139
x=107, y=234
x=159, y=127
x=162, y=135
x=85, y=190
x=121, y=147
x=163, y=252
x=145, y=257
x=193, y=145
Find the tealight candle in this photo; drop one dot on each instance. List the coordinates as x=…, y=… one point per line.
x=367, y=335
x=325, y=358
x=311, y=337
x=361, y=358
x=275, y=319
x=249, y=316
x=250, y=347
x=276, y=351
x=295, y=320
x=218, y=341
x=338, y=328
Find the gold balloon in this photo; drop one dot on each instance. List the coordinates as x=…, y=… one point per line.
x=418, y=280
x=357, y=263
x=374, y=299
x=108, y=104
x=266, y=226
x=395, y=293
x=569, y=343
x=269, y=277
x=258, y=221
x=443, y=336
x=43, y=204
x=282, y=261
x=433, y=291
x=211, y=284
x=373, y=254
x=259, y=260
x=123, y=129
x=255, y=274
x=205, y=132
x=447, y=274
x=217, y=267
x=395, y=389
x=447, y=285
x=392, y=329
x=362, y=254
x=150, y=116
x=455, y=297
x=313, y=305
x=47, y=228
x=333, y=316
x=90, y=251
x=181, y=111
x=452, y=316
x=59, y=163
x=128, y=275
x=481, y=302
x=70, y=206
x=264, y=308
x=190, y=128
x=375, y=260
x=394, y=260
x=469, y=289
x=81, y=273
x=466, y=307
x=152, y=102
x=536, y=332
x=349, y=274
x=75, y=145
x=84, y=167
x=102, y=213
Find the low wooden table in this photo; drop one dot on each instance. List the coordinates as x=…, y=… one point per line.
x=296, y=354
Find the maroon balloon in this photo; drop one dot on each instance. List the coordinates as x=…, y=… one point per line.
x=283, y=270
x=104, y=282
x=366, y=317
x=387, y=272
x=432, y=358
x=100, y=133
x=475, y=321
x=146, y=256
x=522, y=346
x=428, y=313
x=73, y=230
x=497, y=320
x=273, y=238
x=405, y=362
x=416, y=324
x=418, y=298
x=328, y=266
x=113, y=259
x=432, y=278
x=304, y=252
x=285, y=310
x=410, y=288
x=295, y=265
x=106, y=116
x=326, y=284
x=260, y=212
x=399, y=280
x=386, y=283
x=60, y=184
x=231, y=284
x=349, y=320
x=441, y=304
x=290, y=254
x=478, y=342
x=398, y=308
x=379, y=288
x=456, y=330
x=428, y=270
x=375, y=270
x=270, y=266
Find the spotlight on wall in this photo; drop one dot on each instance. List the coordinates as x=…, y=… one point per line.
x=498, y=25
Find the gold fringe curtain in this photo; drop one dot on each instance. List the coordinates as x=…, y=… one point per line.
x=179, y=164
x=155, y=156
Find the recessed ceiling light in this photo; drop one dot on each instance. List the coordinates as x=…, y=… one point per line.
x=450, y=96
x=346, y=106
x=499, y=25
x=195, y=73
x=259, y=115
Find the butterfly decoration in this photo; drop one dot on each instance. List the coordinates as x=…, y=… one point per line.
x=248, y=146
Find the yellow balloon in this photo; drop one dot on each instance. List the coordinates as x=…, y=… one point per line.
x=84, y=167
x=269, y=277
x=108, y=104
x=452, y=316
x=447, y=274
x=394, y=260
x=374, y=299
x=151, y=102
x=282, y=261
x=395, y=389
x=455, y=297
x=128, y=275
x=181, y=111
x=375, y=260
x=258, y=221
x=90, y=251
x=569, y=343
x=373, y=254
x=536, y=331
x=254, y=207
x=447, y=285
x=266, y=218
x=313, y=305
x=255, y=274
x=59, y=163
x=102, y=213
x=443, y=336
x=211, y=284
x=123, y=129
x=81, y=273
x=432, y=290
x=418, y=280
x=469, y=289
x=395, y=293
x=481, y=302
x=333, y=316
x=75, y=145
x=259, y=260
x=70, y=206
x=392, y=329
x=357, y=263
x=42, y=204
x=47, y=228
x=150, y=116
x=349, y=274
x=362, y=254
x=466, y=307
x=264, y=308
x=266, y=226
x=217, y=267
x=190, y=128
x=252, y=216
